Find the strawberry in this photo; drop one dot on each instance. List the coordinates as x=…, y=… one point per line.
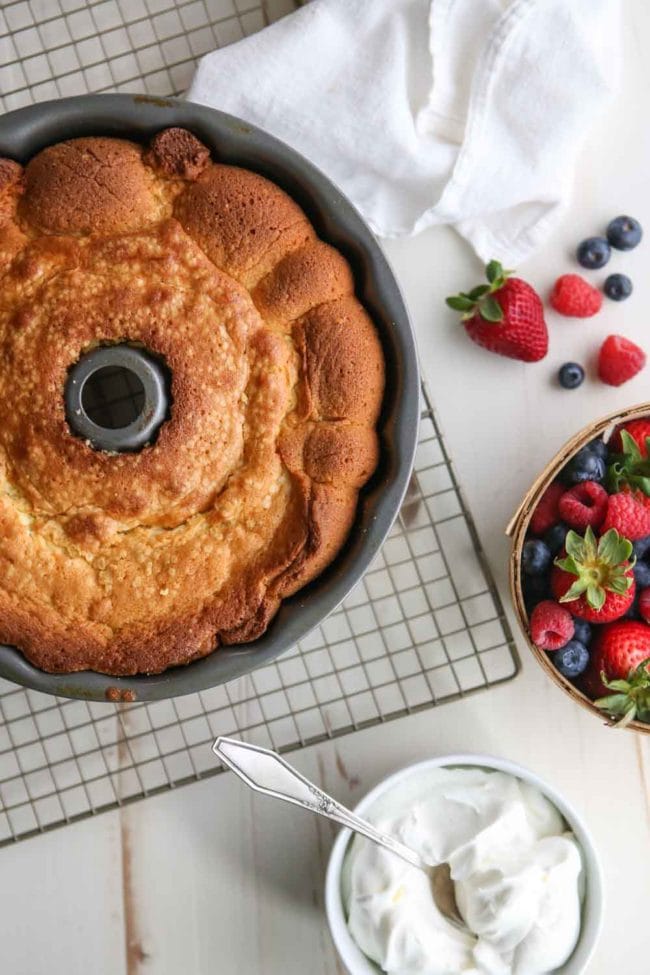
x=620, y=662
x=551, y=625
x=575, y=297
x=595, y=579
x=630, y=467
x=505, y=316
x=619, y=360
x=546, y=513
x=629, y=514
x=639, y=430
x=583, y=505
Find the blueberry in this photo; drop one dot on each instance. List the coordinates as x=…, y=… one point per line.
x=554, y=537
x=600, y=448
x=536, y=589
x=536, y=557
x=641, y=546
x=572, y=659
x=624, y=233
x=618, y=287
x=585, y=466
x=581, y=631
x=594, y=252
x=571, y=375
x=642, y=575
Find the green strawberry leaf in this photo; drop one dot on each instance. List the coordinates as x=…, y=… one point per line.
x=614, y=703
x=490, y=310
x=595, y=596
x=619, y=584
x=614, y=548
x=493, y=271
x=478, y=291
x=569, y=564
x=575, y=547
x=630, y=447
x=623, y=686
x=579, y=586
x=460, y=303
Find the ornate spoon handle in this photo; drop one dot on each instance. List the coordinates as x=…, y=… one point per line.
x=267, y=772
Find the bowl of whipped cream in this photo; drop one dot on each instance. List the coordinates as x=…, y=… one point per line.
x=525, y=874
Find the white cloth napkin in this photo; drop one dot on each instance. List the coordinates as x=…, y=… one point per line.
x=467, y=112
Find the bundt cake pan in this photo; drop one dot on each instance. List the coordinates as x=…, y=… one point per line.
x=25, y=132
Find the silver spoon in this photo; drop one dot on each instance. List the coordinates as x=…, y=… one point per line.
x=267, y=772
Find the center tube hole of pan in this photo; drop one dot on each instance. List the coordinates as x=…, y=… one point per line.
x=113, y=397
x=117, y=397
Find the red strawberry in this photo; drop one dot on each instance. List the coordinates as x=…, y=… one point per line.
x=594, y=580
x=551, y=625
x=619, y=360
x=505, y=316
x=546, y=513
x=629, y=514
x=584, y=505
x=639, y=430
x=621, y=652
x=573, y=296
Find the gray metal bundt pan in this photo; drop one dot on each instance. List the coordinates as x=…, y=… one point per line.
x=22, y=134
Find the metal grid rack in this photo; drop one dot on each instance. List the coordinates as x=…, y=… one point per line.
x=414, y=633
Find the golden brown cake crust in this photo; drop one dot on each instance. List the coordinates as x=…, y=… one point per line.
x=134, y=562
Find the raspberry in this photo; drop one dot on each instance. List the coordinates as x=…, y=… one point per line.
x=546, y=513
x=551, y=625
x=644, y=605
x=619, y=360
x=573, y=296
x=585, y=504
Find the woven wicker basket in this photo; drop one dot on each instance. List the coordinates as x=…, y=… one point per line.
x=517, y=532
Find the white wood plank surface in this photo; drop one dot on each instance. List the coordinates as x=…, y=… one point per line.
x=211, y=879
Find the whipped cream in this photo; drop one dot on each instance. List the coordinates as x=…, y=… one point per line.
x=517, y=875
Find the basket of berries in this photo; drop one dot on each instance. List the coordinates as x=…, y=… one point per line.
x=580, y=568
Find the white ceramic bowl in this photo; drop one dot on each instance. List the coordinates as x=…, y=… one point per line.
x=356, y=963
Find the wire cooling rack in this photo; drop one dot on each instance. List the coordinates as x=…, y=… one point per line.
x=423, y=627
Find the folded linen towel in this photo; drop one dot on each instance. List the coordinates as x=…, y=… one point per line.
x=467, y=112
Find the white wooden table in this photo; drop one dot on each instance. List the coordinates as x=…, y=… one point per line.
x=211, y=879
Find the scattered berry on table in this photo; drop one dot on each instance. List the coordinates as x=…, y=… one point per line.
x=641, y=546
x=505, y=316
x=619, y=360
x=572, y=659
x=535, y=558
x=594, y=252
x=644, y=605
x=584, y=504
x=629, y=514
x=546, y=513
x=551, y=625
x=622, y=652
x=594, y=580
x=571, y=375
x=575, y=297
x=618, y=287
x=585, y=466
x=555, y=537
x=582, y=631
x=642, y=575
x=624, y=233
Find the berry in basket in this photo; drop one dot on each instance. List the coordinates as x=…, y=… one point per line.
x=585, y=572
